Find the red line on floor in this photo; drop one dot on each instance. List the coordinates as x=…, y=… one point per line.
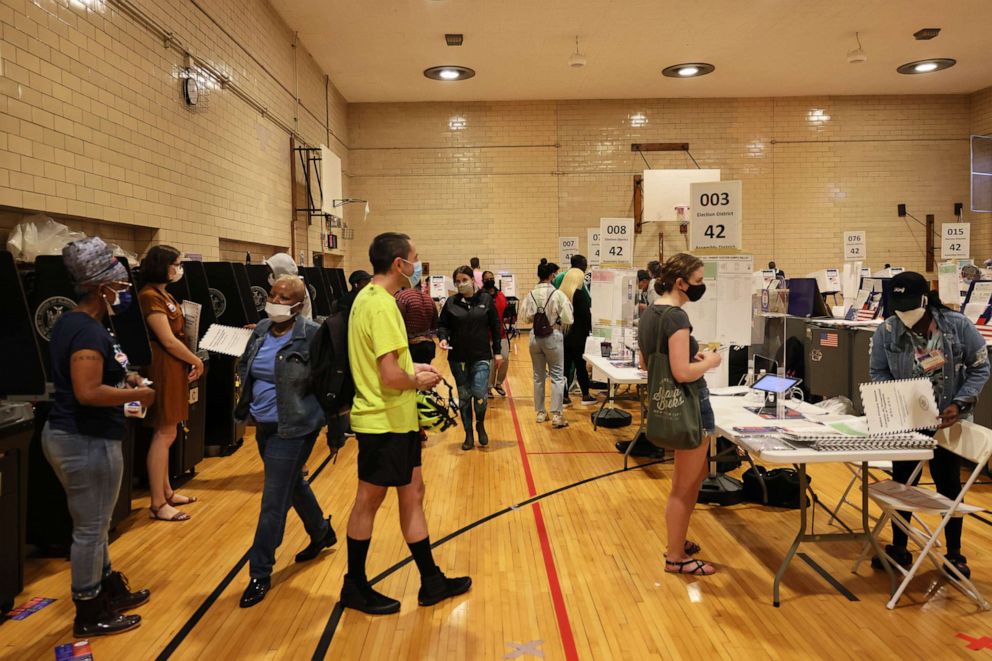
x=575, y=452
x=557, y=599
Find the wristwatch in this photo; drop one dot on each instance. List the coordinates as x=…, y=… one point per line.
x=963, y=407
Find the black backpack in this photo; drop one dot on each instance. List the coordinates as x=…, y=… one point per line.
x=330, y=372
x=542, y=326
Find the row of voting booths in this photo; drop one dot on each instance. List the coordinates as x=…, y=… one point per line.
x=33, y=509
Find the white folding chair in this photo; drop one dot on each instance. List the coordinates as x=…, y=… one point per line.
x=855, y=470
x=967, y=440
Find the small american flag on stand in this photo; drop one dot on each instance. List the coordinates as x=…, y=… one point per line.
x=986, y=331
x=865, y=315
x=828, y=340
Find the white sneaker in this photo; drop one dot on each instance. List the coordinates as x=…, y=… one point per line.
x=558, y=421
x=542, y=416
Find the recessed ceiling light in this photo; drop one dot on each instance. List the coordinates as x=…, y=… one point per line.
x=927, y=66
x=449, y=72
x=688, y=70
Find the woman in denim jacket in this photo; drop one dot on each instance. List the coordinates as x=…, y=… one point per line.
x=925, y=339
x=275, y=391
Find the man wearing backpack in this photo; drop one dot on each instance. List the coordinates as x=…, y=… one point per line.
x=547, y=310
x=384, y=417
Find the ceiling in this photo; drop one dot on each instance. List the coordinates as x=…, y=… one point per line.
x=376, y=50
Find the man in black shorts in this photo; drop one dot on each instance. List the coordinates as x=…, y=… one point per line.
x=384, y=418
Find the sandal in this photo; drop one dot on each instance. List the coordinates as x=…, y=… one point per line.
x=697, y=568
x=178, y=516
x=692, y=548
x=186, y=500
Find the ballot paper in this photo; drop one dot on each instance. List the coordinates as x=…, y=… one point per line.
x=894, y=407
x=227, y=340
x=191, y=327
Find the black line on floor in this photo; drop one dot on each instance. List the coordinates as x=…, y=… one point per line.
x=197, y=615
x=982, y=519
x=324, y=644
x=837, y=585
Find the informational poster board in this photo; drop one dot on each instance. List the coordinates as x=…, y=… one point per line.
x=614, y=309
x=855, y=246
x=724, y=314
x=567, y=246
x=949, y=283
x=507, y=283
x=666, y=189
x=330, y=182
x=616, y=237
x=437, y=287
x=715, y=214
x=955, y=240
x=593, y=244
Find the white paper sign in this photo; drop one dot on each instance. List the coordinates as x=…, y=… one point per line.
x=227, y=340
x=949, y=283
x=666, y=189
x=438, y=290
x=855, y=246
x=507, y=284
x=567, y=246
x=955, y=240
x=716, y=215
x=594, y=258
x=616, y=242
x=191, y=324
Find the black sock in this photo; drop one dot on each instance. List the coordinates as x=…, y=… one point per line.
x=424, y=558
x=358, y=551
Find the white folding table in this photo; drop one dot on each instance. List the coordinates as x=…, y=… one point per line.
x=732, y=412
x=618, y=376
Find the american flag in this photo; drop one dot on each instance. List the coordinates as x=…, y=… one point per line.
x=828, y=340
x=865, y=315
x=986, y=331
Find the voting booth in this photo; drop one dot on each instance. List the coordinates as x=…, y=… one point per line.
x=320, y=292
x=258, y=283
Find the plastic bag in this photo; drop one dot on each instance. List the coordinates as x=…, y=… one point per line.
x=40, y=235
x=838, y=405
x=131, y=257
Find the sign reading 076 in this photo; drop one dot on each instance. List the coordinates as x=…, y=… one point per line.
x=716, y=214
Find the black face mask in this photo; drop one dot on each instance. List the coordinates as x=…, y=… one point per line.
x=489, y=284
x=695, y=292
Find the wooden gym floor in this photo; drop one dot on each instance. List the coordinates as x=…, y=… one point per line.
x=577, y=574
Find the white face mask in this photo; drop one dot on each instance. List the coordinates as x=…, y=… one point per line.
x=911, y=317
x=178, y=275
x=466, y=288
x=278, y=312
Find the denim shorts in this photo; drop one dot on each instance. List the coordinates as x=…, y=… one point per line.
x=707, y=419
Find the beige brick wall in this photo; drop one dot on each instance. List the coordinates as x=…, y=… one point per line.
x=505, y=180
x=92, y=124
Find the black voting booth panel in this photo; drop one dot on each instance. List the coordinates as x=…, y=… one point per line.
x=23, y=375
x=320, y=294
x=258, y=281
x=230, y=294
x=338, y=283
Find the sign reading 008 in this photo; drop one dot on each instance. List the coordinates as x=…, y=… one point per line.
x=616, y=241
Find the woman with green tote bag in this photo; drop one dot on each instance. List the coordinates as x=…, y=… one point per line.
x=664, y=329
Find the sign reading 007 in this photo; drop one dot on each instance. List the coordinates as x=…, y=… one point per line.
x=616, y=241
x=716, y=214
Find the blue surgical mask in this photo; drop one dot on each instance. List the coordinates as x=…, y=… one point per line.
x=418, y=271
x=122, y=301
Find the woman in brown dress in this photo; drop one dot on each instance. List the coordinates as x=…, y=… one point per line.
x=173, y=367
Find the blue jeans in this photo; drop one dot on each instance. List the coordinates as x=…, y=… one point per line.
x=90, y=470
x=473, y=388
x=708, y=420
x=548, y=355
x=284, y=486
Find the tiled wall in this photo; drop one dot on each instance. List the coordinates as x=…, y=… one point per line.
x=504, y=180
x=93, y=125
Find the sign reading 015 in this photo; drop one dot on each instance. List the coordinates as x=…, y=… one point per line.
x=716, y=214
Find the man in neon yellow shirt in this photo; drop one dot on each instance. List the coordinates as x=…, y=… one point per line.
x=384, y=419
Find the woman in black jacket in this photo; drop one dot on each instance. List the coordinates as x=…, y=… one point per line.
x=574, y=288
x=469, y=330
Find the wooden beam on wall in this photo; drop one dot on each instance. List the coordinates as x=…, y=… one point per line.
x=930, y=246
x=659, y=146
x=638, y=203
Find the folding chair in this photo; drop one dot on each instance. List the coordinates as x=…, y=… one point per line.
x=855, y=470
x=968, y=440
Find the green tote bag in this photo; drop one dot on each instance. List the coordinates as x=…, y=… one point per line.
x=673, y=421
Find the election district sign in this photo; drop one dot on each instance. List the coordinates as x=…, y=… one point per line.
x=855, y=246
x=955, y=240
x=567, y=246
x=716, y=214
x=594, y=259
x=616, y=242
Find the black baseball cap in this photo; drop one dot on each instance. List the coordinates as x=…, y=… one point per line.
x=908, y=290
x=358, y=276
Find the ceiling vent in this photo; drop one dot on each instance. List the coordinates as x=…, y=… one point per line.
x=454, y=39
x=926, y=34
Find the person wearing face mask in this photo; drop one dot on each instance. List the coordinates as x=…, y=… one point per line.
x=498, y=375
x=665, y=327
x=358, y=280
x=275, y=392
x=282, y=264
x=82, y=436
x=470, y=331
x=173, y=367
x=925, y=339
x=420, y=317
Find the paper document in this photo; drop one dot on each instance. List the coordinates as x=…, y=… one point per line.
x=893, y=407
x=191, y=312
x=227, y=340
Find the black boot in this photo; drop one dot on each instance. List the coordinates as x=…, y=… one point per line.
x=119, y=595
x=469, y=439
x=95, y=618
x=480, y=430
x=358, y=594
x=255, y=592
x=439, y=587
x=317, y=545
